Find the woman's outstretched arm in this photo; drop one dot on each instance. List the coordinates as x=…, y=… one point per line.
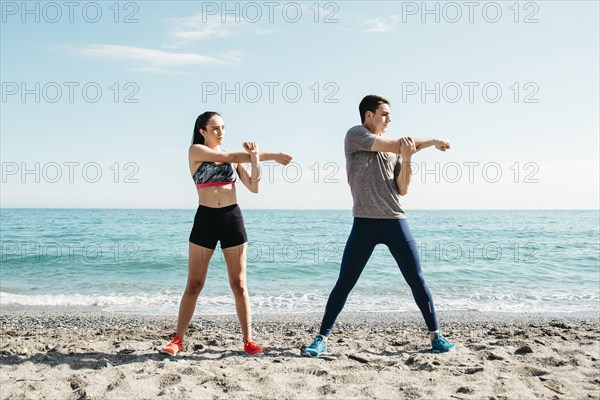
x=201, y=153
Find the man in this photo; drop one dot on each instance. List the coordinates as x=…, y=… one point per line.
x=378, y=176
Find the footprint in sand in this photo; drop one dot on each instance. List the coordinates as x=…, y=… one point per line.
x=78, y=385
x=169, y=380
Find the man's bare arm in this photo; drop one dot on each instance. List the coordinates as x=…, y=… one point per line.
x=439, y=144
x=386, y=145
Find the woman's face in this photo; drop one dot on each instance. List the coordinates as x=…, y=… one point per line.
x=214, y=135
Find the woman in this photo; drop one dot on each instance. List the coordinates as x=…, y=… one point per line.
x=219, y=219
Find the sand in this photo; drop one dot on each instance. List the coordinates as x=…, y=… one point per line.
x=66, y=354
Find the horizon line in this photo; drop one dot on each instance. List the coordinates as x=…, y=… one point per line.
x=301, y=209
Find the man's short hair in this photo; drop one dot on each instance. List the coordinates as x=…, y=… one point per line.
x=370, y=103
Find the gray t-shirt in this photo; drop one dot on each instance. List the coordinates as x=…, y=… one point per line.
x=371, y=176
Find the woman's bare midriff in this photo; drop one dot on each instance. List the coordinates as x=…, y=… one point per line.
x=217, y=196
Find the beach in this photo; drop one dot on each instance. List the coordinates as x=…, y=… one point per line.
x=85, y=307
x=50, y=353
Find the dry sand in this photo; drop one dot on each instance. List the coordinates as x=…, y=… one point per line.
x=95, y=355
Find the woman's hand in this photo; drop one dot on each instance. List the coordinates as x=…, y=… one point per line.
x=251, y=147
x=282, y=158
x=442, y=145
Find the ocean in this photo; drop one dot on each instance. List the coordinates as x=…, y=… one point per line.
x=135, y=261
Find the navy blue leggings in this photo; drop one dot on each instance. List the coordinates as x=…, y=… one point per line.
x=365, y=235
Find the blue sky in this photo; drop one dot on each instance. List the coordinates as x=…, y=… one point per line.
x=532, y=145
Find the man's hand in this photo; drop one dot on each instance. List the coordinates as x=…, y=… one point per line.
x=442, y=145
x=407, y=147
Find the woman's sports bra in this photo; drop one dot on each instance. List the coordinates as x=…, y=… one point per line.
x=210, y=174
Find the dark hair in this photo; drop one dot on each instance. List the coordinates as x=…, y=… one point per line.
x=201, y=122
x=370, y=103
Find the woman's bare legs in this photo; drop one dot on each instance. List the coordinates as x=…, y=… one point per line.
x=235, y=257
x=197, y=269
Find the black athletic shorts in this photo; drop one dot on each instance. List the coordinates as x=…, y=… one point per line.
x=212, y=225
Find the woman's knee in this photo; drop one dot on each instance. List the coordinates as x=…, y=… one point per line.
x=238, y=286
x=194, y=287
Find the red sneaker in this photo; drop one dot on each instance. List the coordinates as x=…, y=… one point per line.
x=174, y=347
x=252, y=348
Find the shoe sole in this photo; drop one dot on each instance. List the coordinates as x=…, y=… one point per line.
x=169, y=354
x=441, y=352
x=307, y=354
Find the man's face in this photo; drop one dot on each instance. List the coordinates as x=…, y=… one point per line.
x=380, y=119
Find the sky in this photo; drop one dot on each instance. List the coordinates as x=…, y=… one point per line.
x=99, y=99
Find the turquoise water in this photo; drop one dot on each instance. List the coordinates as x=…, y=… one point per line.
x=136, y=261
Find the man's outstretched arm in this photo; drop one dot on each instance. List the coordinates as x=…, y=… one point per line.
x=439, y=144
x=387, y=145
x=393, y=145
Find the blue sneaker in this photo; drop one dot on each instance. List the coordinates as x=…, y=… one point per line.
x=440, y=345
x=316, y=348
